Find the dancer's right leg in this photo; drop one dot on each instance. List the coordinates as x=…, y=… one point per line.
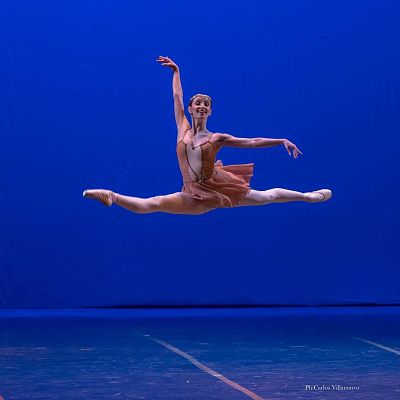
x=176, y=203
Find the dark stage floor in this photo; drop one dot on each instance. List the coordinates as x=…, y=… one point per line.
x=280, y=353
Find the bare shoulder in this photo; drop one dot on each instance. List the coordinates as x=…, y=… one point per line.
x=182, y=131
x=218, y=137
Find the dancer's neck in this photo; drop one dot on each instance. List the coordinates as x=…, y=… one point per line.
x=199, y=128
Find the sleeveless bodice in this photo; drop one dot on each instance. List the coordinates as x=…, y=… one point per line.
x=196, y=162
x=209, y=183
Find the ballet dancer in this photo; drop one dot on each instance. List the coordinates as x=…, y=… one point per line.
x=208, y=184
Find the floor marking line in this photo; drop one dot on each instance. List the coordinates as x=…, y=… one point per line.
x=381, y=346
x=206, y=369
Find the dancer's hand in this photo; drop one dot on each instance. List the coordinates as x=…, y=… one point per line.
x=166, y=61
x=291, y=146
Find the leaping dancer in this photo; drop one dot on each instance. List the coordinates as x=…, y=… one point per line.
x=208, y=184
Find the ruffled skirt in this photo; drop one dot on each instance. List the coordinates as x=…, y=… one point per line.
x=228, y=185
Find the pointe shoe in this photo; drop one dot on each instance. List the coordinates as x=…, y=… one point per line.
x=318, y=196
x=107, y=197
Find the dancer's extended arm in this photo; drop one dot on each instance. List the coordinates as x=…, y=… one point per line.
x=181, y=121
x=228, y=140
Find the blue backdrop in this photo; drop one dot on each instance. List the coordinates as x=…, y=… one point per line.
x=82, y=98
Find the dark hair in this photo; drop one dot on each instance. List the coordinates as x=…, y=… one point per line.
x=200, y=95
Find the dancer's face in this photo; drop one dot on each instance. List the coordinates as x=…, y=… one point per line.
x=200, y=108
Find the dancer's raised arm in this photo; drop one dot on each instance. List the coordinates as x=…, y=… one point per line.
x=181, y=121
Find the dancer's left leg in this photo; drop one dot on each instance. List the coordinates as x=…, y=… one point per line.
x=279, y=195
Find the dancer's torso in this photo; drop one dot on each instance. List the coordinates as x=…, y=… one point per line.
x=196, y=161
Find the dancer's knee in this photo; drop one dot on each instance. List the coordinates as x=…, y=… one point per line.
x=153, y=204
x=274, y=195
x=269, y=196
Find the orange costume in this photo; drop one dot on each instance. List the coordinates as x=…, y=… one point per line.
x=208, y=182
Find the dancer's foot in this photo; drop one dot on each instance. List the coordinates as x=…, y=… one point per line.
x=318, y=196
x=107, y=197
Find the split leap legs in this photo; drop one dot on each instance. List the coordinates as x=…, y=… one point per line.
x=177, y=203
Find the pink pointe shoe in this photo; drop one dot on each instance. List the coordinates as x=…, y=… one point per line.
x=318, y=196
x=107, y=197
